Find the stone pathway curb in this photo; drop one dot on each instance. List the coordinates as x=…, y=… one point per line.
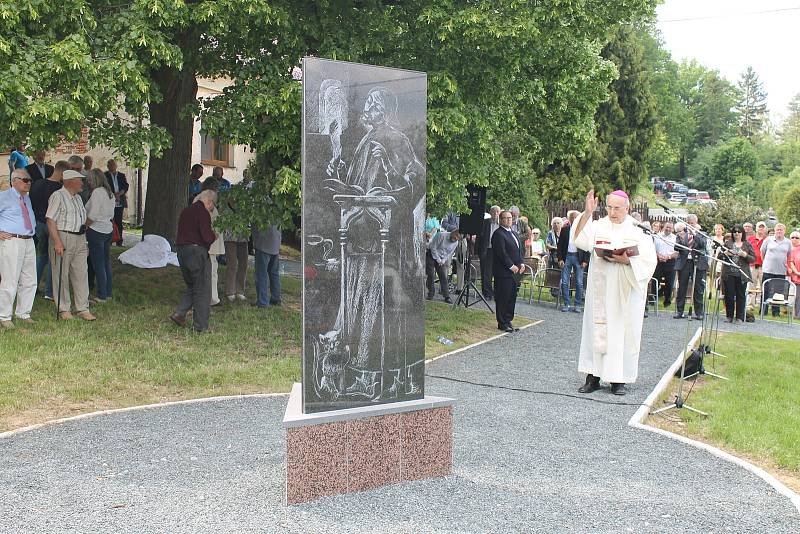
x=641, y=414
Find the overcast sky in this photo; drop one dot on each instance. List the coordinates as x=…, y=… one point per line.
x=729, y=35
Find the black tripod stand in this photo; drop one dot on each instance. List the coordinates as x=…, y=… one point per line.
x=680, y=400
x=469, y=284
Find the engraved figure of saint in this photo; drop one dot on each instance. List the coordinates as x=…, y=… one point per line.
x=383, y=164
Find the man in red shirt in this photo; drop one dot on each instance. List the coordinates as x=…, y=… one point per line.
x=195, y=236
x=756, y=240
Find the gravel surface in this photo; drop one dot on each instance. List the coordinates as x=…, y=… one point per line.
x=523, y=462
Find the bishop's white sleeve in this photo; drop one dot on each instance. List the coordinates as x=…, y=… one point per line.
x=644, y=265
x=585, y=240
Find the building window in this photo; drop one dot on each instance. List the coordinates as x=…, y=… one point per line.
x=212, y=152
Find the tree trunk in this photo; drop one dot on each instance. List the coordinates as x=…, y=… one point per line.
x=682, y=167
x=168, y=176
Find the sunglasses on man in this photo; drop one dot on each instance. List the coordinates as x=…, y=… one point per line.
x=26, y=180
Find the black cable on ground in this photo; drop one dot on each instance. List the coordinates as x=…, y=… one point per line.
x=525, y=390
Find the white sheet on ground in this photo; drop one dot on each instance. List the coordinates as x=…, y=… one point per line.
x=150, y=253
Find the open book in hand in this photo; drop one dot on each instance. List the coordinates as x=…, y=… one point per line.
x=605, y=248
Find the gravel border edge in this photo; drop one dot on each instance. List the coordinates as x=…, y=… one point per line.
x=644, y=411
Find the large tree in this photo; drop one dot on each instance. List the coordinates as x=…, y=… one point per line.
x=677, y=123
x=512, y=85
x=752, y=105
x=626, y=129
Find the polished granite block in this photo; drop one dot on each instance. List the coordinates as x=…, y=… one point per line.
x=364, y=165
x=315, y=465
x=343, y=451
x=427, y=443
x=373, y=452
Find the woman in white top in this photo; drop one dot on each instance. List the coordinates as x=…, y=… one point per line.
x=99, y=229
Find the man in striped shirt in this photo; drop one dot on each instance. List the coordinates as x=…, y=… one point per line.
x=66, y=221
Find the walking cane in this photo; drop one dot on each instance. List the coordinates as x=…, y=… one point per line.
x=60, y=272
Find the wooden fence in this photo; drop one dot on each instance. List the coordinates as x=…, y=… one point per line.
x=559, y=208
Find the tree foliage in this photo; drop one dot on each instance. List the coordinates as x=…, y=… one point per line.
x=731, y=208
x=732, y=165
x=626, y=129
x=790, y=130
x=512, y=85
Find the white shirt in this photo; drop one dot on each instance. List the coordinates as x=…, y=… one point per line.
x=66, y=210
x=100, y=209
x=665, y=249
x=513, y=235
x=115, y=187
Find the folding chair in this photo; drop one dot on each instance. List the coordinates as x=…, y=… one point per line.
x=652, y=296
x=785, y=287
x=549, y=279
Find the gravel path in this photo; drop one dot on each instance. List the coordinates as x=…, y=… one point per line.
x=523, y=462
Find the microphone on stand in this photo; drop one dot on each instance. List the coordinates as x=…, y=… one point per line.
x=644, y=228
x=663, y=206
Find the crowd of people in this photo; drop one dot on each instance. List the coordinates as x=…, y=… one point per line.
x=58, y=222
x=200, y=249
x=736, y=260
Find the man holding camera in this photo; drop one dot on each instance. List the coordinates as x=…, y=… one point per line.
x=66, y=222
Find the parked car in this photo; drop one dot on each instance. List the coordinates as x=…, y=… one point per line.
x=691, y=193
x=676, y=198
x=706, y=201
x=703, y=195
x=680, y=188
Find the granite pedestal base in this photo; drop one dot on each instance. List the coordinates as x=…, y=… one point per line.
x=357, y=449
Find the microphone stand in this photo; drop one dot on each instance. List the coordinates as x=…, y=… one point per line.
x=710, y=323
x=680, y=400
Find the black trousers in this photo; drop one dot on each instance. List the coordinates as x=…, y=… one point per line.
x=735, y=296
x=665, y=274
x=432, y=266
x=685, y=276
x=196, y=271
x=118, y=221
x=505, y=300
x=487, y=268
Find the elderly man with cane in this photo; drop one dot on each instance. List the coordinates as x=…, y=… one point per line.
x=17, y=252
x=66, y=222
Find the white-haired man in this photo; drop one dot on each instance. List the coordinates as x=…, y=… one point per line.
x=66, y=225
x=691, y=266
x=17, y=251
x=195, y=237
x=623, y=261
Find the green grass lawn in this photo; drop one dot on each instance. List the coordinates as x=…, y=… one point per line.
x=134, y=355
x=756, y=413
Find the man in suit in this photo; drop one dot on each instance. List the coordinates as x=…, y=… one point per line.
x=39, y=170
x=507, y=250
x=687, y=262
x=119, y=185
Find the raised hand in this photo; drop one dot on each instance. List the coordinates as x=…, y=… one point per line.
x=591, y=201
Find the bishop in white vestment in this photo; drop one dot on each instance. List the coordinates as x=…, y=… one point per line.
x=615, y=295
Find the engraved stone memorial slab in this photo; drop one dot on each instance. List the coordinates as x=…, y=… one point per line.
x=363, y=164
